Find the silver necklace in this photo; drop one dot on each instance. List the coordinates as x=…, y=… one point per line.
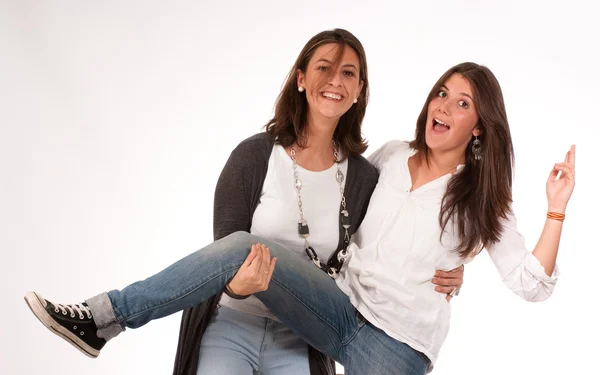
x=303, y=229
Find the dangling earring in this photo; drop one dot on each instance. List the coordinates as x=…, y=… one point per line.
x=476, y=148
x=300, y=88
x=355, y=100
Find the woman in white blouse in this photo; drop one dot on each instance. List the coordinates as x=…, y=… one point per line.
x=440, y=200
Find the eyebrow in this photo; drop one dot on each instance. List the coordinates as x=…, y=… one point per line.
x=343, y=66
x=462, y=93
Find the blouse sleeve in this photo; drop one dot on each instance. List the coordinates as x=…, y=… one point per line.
x=519, y=269
x=379, y=156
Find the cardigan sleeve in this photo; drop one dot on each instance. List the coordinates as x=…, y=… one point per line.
x=232, y=204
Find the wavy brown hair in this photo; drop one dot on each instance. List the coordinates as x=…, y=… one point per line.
x=480, y=195
x=291, y=108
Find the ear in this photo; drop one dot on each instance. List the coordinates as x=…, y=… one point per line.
x=360, y=87
x=476, y=132
x=300, y=78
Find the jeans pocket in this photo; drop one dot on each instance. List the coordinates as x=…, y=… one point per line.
x=360, y=319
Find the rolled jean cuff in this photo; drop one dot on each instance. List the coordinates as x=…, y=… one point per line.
x=104, y=316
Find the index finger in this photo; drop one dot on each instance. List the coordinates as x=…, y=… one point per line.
x=572, y=155
x=258, y=259
x=251, y=255
x=448, y=274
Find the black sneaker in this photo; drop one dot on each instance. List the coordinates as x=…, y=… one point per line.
x=73, y=323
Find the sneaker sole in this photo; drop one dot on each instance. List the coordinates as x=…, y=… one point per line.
x=38, y=307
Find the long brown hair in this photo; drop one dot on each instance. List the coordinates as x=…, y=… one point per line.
x=291, y=108
x=480, y=195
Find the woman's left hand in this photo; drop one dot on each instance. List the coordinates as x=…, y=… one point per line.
x=560, y=188
x=449, y=282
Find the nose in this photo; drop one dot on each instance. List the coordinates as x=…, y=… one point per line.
x=444, y=107
x=336, y=79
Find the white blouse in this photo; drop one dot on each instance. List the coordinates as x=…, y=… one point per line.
x=397, y=250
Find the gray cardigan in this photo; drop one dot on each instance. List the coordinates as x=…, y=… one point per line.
x=236, y=197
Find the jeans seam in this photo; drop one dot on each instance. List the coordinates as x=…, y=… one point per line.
x=119, y=320
x=360, y=324
x=262, y=346
x=353, y=335
x=178, y=297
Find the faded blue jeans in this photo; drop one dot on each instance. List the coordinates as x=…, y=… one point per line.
x=303, y=297
x=238, y=343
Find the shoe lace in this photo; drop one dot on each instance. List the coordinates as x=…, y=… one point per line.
x=72, y=309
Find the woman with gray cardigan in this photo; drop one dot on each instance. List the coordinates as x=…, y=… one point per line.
x=274, y=185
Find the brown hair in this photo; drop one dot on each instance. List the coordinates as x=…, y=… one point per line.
x=291, y=107
x=480, y=194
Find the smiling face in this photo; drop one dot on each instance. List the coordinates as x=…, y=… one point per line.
x=330, y=88
x=451, y=116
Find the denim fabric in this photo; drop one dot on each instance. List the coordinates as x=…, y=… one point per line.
x=303, y=297
x=238, y=343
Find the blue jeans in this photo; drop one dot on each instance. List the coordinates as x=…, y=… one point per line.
x=238, y=343
x=303, y=297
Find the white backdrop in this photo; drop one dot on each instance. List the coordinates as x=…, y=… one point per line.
x=116, y=118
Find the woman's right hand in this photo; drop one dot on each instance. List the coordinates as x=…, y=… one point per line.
x=560, y=188
x=255, y=273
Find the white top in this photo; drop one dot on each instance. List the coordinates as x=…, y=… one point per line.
x=397, y=250
x=276, y=216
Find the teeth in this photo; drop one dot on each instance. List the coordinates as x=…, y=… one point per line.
x=332, y=96
x=441, y=123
